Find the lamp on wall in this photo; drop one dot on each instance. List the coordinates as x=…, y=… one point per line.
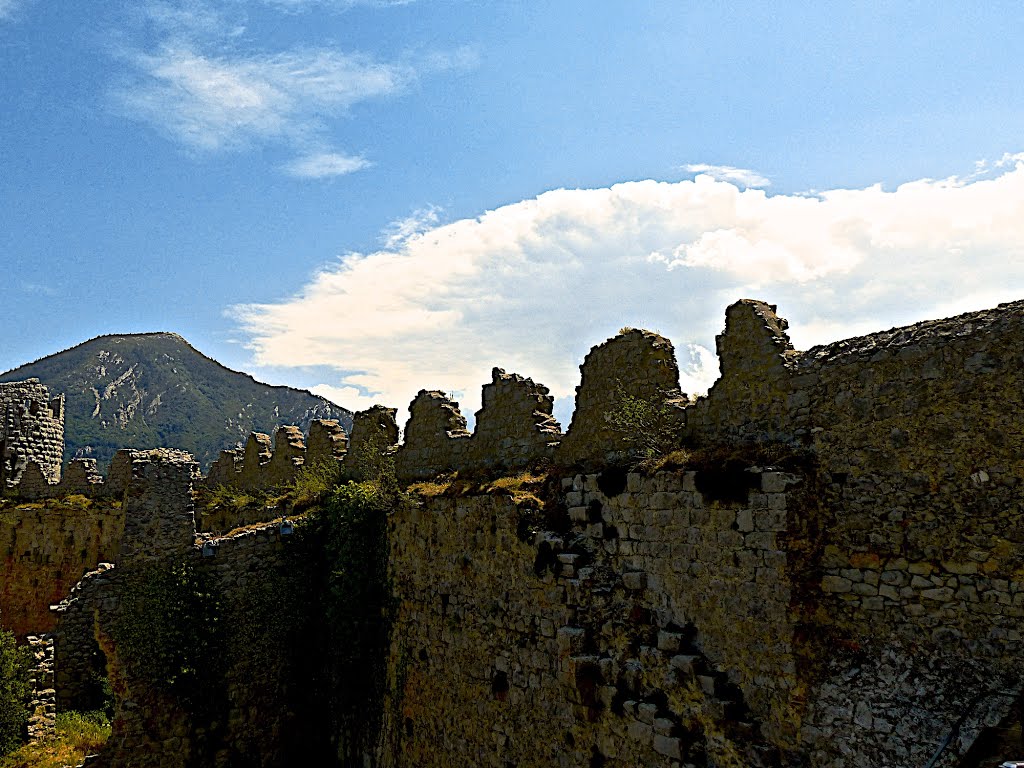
x=286, y=528
x=210, y=548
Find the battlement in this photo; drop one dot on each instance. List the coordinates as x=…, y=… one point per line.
x=261, y=465
x=858, y=402
x=514, y=429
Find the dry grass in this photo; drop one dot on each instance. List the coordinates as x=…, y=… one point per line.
x=431, y=488
x=677, y=459
x=522, y=487
x=77, y=735
x=259, y=526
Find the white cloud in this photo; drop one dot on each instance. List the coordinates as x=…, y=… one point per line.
x=200, y=87
x=216, y=102
x=303, y=5
x=739, y=176
x=352, y=398
x=8, y=8
x=532, y=285
x=323, y=165
x=398, y=232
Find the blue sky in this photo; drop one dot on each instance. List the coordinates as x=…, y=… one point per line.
x=368, y=198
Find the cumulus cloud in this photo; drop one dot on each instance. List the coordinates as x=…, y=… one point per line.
x=740, y=176
x=532, y=285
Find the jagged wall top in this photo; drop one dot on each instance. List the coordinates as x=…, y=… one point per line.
x=635, y=364
x=934, y=388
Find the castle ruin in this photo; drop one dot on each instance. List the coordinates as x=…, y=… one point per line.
x=831, y=575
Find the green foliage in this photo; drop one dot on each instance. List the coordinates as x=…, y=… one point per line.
x=167, y=628
x=313, y=482
x=646, y=427
x=77, y=734
x=352, y=525
x=372, y=460
x=14, y=690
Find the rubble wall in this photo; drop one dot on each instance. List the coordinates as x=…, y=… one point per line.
x=45, y=548
x=198, y=636
x=31, y=430
x=654, y=629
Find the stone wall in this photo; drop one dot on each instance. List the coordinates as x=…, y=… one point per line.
x=515, y=428
x=654, y=628
x=240, y=698
x=845, y=611
x=634, y=364
x=45, y=548
x=259, y=465
x=852, y=619
x=31, y=430
x=690, y=618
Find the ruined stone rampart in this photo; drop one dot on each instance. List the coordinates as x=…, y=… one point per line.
x=693, y=618
x=45, y=548
x=31, y=431
x=260, y=465
x=635, y=364
x=237, y=700
x=833, y=577
x=653, y=629
x=910, y=395
x=848, y=612
x=514, y=430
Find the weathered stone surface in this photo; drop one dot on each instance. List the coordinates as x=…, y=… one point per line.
x=31, y=430
x=636, y=363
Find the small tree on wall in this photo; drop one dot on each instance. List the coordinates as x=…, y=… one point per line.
x=14, y=691
x=647, y=427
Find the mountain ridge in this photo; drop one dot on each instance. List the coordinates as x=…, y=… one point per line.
x=156, y=389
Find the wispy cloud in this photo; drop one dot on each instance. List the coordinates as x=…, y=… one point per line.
x=324, y=165
x=532, y=285
x=740, y=176
x=303, y=5
x=39, y=289
x=211, y=103
x=8, y=8
x=200, y=87
x=400, y=231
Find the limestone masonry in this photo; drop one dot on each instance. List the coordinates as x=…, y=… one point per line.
x=831, y=574
x=32, y=431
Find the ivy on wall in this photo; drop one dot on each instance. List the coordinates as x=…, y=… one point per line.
x=352, y=524
x=168, y=628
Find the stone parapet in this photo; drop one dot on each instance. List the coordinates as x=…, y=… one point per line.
x=159, y=510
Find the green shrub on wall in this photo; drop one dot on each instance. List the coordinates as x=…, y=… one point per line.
x=14, y=691
x=646, y=427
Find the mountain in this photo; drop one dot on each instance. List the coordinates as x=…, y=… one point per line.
x=155, y=390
